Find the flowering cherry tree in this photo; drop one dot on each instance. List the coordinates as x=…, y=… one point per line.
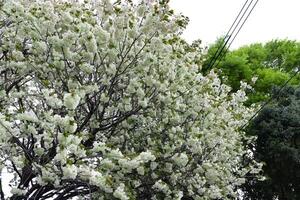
x=102, y=100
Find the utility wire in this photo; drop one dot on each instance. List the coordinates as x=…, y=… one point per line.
x=227, y=34
x=232, y=33
x=227, y=48
x=232, y=28
x=218, y=54
x=270, y=100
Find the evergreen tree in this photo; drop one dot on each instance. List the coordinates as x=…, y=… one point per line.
x=277, y=128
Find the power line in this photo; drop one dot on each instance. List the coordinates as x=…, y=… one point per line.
x=226, y=50
x=227, y=34
x=231, y=31
x=216, y=56
x=269, y=100
x=229, y=37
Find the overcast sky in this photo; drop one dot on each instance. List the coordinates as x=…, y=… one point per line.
x=271, y=19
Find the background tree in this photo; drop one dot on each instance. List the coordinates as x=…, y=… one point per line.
x=278, y=146
x=105, y=101
x=272, y=63
x=277, y=126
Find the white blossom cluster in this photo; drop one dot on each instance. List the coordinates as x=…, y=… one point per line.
x=104, y=99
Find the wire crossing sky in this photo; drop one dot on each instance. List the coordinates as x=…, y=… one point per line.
x=233, y=31
x=271, y=19
x=275, y=19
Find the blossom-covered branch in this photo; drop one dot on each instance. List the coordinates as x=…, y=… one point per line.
x=102, y=100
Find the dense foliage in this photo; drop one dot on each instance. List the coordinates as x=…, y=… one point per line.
x=104, y=101
x=272, y=64
x=278, y=146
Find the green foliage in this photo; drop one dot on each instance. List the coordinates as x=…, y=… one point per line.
x=212, y=52
x=283, y=54
x=276, y=127
x=278, y=145
x=272, y=63
x=269, y=77
x=236, y=69
x=255, y=54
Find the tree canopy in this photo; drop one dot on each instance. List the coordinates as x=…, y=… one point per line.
x=278, y=146
x=266, y=66
x=272, y=64
x=103, y=100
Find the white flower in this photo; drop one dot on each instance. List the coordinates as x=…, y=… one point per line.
x=116, y=154
x=129, y=165
x=215, y=192
x=144, y=103
x=212, y=176
x=73, y=139
x=69, y=124
x=91, y=45
x=99, y=147
x=18, y=191
x=104, y=97
x=179, y=195
x=102, y=36
x=146, y=156
x=161, y=186
x=18, y=55
x=48, y=175
x=119, y=193
x=61, y=156
x=87, y=68
x=181, y=159
x=40, y=46
x=40, y=181
x=254, y=79
x=107, y=163
x=28, y=116
x=53, y=101
x=71, y=100
x=69, y=172
x=153, y=165
x=141, y=170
